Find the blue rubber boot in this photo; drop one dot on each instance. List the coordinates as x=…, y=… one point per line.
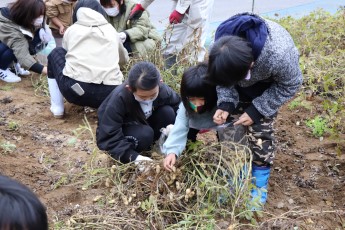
x=260, y=175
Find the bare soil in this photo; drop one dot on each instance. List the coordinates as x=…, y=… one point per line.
x=306, y=188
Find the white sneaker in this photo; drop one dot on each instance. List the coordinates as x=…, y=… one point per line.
x=20, y=70
x=8, y=76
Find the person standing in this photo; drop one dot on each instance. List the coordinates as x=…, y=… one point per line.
x=190, y=20
x=59, y=13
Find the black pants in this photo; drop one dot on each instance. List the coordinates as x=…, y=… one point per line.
x=94, y=93
x=144, y=136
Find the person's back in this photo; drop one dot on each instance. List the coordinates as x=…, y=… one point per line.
x=92, y=47
x=87, y=68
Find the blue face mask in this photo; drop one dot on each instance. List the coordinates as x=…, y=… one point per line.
x=195, y=108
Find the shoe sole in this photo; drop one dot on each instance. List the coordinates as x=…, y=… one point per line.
x=58, y=116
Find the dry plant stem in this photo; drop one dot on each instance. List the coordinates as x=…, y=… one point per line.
x=299, y=214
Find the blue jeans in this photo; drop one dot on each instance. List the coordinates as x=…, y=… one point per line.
x=6, y=56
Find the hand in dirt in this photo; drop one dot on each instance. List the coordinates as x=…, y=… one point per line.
x=220, y=117
x=169, y=161
x=142, y=163
x=245, y=120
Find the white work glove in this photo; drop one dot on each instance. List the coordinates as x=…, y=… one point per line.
x=123, y=36
x=164, y=135
x=167, y=130
x=45, y=34
x=141, y=162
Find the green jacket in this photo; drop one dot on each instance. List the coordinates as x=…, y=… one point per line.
x=13, y=36
x=142, y=34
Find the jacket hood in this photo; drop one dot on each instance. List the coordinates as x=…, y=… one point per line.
x=251, y=26
x=91, y=4
x=88, y=17
x=4, y=14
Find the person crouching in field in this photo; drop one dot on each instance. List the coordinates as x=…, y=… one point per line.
x=59, y=13
x=255, y=64
x=23, y=33
x=87, y=66
x=130, y=119
x=20, y=207
x=195, y=113
x=138, y=36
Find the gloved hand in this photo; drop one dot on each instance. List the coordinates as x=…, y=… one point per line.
x=45, y=34
x=175, y=17
x=136, y=12
x=123, y=36
x=140, y=162
x=164, y=135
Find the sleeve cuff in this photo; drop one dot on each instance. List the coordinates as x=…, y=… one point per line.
x=254, y=114
x=227, y=106
x=37, y=68
x=129, y=157
x=128, y=39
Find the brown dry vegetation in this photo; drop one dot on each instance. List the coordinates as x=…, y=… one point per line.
x=58, y=160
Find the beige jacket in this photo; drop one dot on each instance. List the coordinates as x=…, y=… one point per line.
x=94, y=50
x=61, y=10
x=181, y=6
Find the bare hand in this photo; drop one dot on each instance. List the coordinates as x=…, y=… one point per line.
x=45, y=70
x=62, y=30
x=245, y=120
x=220, y=117
x=169, y=161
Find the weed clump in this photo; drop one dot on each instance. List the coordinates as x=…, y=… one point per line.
x=209, y=183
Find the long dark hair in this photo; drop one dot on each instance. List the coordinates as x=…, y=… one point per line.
x=24, y=12
x=21, y=209
x=143, y=76
x=193, y=84
x=230, y=59
x=122, y=7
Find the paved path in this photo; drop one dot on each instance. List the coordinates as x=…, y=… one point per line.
x=223, y=9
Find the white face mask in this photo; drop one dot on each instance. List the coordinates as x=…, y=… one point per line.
x=112, y=12
x=144, y=101
x=38, y=21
